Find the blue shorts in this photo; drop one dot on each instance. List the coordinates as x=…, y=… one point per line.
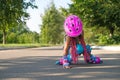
x=80, y=49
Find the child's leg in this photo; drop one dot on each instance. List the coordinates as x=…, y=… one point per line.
x=93, y=59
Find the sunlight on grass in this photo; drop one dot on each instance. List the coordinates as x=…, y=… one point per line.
x=24, y=45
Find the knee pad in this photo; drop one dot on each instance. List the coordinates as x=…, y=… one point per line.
x=88, y=49
x=79, y=49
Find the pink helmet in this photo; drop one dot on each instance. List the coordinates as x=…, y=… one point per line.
x=73, y=26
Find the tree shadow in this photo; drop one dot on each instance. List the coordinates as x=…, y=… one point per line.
x=44, y=68
x=51, y=48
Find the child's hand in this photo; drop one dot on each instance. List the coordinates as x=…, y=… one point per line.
x=66, y=64
x=67, y=67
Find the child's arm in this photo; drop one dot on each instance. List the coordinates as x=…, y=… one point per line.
x=66, y=46
x=65, y=53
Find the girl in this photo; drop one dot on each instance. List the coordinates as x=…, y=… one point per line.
x=75, y=44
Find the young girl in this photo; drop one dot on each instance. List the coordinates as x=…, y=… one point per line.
x=75, y=44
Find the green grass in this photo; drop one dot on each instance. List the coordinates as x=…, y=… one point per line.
x=24, y=45
x=36, y=45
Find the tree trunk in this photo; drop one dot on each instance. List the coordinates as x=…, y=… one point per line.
x=4, y=36
x=111, y=31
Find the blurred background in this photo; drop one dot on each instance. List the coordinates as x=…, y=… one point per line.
x=40, y=22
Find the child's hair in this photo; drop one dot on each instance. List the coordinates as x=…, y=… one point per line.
x=74, y=52
x=85, y=54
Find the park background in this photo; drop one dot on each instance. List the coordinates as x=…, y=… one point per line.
x=101, y=22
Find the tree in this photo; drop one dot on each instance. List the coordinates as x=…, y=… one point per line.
x=51, y=28
x=99, y=13
x=13, y=13
x=21, y=34
x=28, y=37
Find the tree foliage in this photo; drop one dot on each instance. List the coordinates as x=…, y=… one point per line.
x=51, y=29
x=21, y=34
x=13, y=13
x=99, y=13
x=102, y=17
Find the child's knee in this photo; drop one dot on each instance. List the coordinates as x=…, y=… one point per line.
x=88, y=48
x=79, y=49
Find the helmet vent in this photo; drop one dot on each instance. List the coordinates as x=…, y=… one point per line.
x=72, y=25
x=77, y=29
x=71, y=19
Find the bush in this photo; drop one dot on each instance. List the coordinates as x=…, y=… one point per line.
x=11, y=38
x=104, y=39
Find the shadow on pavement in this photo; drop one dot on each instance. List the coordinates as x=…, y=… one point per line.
x=44, y=68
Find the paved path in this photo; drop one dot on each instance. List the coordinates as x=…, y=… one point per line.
x=38, y=64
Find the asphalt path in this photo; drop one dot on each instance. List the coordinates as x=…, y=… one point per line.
x=39, y=64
